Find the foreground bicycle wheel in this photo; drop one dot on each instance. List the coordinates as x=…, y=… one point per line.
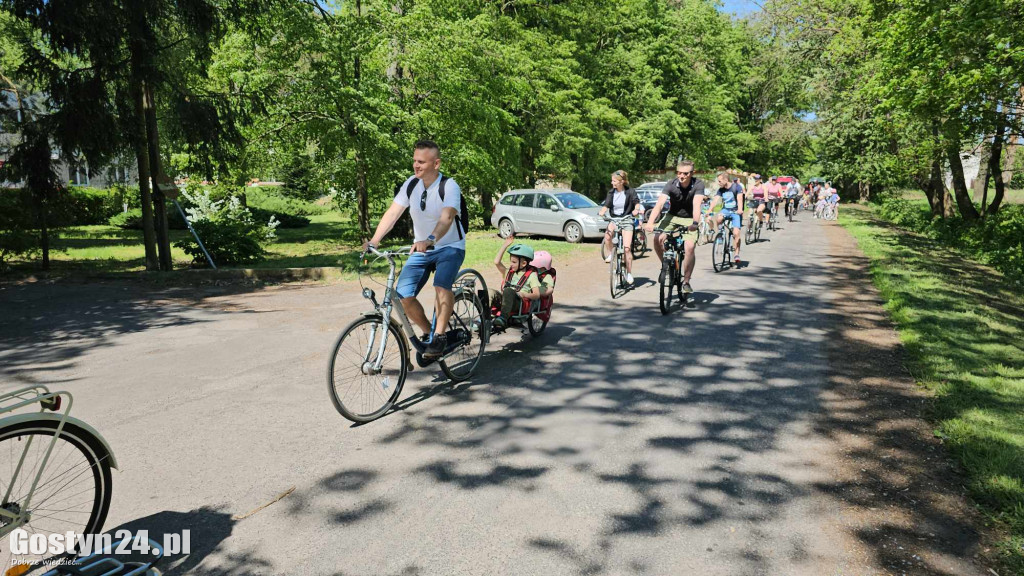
x=73, y=493
x=359, y=392
x=615, y=275
x=467, y=313
x=750, y=232
x=668, y=282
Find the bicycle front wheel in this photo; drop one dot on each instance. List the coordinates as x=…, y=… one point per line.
x=74, y=488
x=359, y=390
x=750, y=232
x=461, y=362
x=668, y=282
x=718, y=251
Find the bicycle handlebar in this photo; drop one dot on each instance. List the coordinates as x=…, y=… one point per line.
x=400, y=251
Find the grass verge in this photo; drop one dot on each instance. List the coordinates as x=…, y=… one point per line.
x=330, y=240
x=963, y=328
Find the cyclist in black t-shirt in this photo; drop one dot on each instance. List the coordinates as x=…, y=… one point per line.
x=679, y=206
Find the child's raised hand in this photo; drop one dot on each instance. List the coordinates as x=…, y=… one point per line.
x=511, y=238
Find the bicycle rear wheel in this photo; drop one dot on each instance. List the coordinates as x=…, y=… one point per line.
x=718, y=251
x=639, y=243
x=74, y=489
x=357, y=391
x=461, y=362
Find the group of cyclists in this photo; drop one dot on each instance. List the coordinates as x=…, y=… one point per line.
x=434, y=203
x=686, y=199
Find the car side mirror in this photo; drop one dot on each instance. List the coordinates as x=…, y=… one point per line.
x=555, y=208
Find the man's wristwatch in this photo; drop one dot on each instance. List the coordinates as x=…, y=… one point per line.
x=432, y=239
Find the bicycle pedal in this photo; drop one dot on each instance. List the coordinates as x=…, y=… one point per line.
x=424, y=362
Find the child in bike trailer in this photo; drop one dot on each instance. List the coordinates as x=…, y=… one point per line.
x=521, y=282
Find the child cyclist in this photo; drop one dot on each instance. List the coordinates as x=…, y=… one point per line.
x=520, y=281
x=542, y=262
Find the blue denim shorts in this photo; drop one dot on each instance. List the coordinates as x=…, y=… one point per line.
x=444, y=262
x=737, y=219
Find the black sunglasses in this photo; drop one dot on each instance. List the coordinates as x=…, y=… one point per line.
x=423, y=200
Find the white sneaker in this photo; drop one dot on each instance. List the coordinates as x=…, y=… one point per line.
x=629, y=278
x=608, y=260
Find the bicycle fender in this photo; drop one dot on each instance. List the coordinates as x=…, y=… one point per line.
x=33, y=416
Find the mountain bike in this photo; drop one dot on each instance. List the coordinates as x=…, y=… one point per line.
x=372, y=355
x=671, y=276
x=721, y=252
x=617, y=265
x=54, y=469
x=790, y=207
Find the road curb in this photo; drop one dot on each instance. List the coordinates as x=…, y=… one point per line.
x=192, y=276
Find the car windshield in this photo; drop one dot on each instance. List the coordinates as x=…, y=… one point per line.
x=574, y=200
x=649, y=195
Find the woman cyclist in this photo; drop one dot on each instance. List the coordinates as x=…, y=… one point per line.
x=759, y=196
x=621, y=200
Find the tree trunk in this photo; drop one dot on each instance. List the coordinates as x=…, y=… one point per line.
x=864, y=191
x=487, y=203
x=156, y=169
x=995, y=169
x=142, y=158
x=44, y=231
x=362, y=197
x=962, y=195
x=980, y=185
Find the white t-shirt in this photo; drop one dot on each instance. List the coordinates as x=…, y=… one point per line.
x=424, y=221
x=619, y=202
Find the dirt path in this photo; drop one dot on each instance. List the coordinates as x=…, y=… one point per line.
x=903, y=498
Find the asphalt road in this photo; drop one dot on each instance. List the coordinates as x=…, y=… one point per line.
x=620, y=441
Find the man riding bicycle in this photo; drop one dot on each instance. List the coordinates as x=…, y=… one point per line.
x=434, y=202
x=730, y=196
x=792, y=193
x=684, y=195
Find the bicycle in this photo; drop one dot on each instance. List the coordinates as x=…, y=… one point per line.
x=705, y=231
x=773, y=215
x=372, y=355
x=58, y=479
x=754, y=226
x=617, y=266
x=722, y=246
x=671, y=273
x=639, y=241
x=790, y=207
x=828, y=212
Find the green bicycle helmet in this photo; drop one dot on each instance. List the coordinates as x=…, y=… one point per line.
x=521, y=250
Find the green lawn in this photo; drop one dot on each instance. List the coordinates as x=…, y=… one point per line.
x=963, y=327
x=1011, y=196
x=329, y=240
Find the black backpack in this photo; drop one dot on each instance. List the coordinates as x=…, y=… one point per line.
x=463, y=222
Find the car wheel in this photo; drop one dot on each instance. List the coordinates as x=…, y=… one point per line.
x=573, y=232
x=505, y=228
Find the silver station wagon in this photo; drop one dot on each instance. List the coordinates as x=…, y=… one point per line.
x=548, y=213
